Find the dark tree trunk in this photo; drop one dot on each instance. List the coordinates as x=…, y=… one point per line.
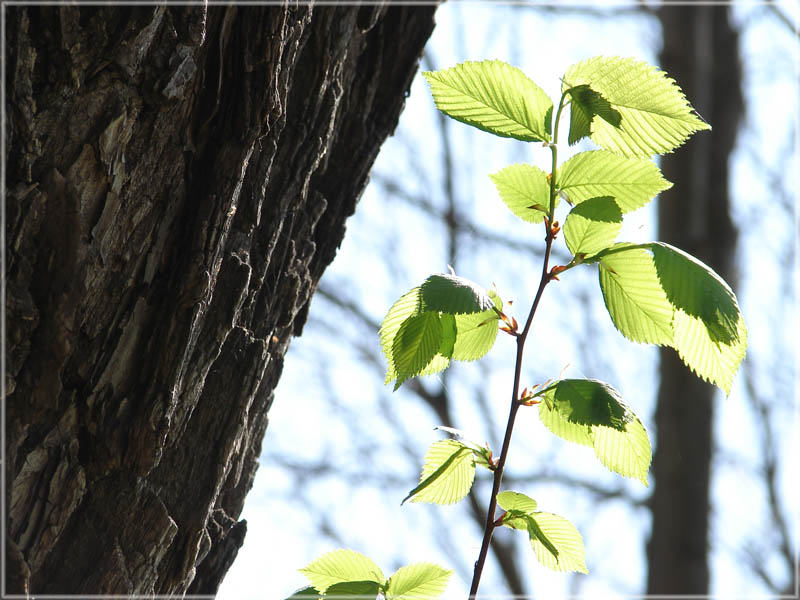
x=701, y=52
x=178, y=178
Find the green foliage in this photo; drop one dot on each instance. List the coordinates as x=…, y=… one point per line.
x=592, y=225
x=525, y=191
x=555, y=541
x=658, y=294
x=655, y=117
x=495, y=97
x=654, y=294
x=593, y=413
x=447, y=474
x=632, y=182
x=447, y=317
x=344, y=573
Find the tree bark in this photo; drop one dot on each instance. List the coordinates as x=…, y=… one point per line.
x=701, y=52
x=178, y=178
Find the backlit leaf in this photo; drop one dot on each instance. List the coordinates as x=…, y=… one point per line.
x=416, y=343
x=515, y=501
x=406, y=306
x=525, y=191
x=447, y=474
x=341, y=566
x=495, y=97
x=477, y=332
x=419, y=581
x=585, y=105
x=592, y=225
x=632, y=182
x=655, y=115
x=454, y=295
x=592, y=413
x=634, y=297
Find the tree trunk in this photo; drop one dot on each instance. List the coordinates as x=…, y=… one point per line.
x=178, y=178
x=701, y=52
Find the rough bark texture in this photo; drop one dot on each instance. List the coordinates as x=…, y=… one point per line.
x=701, y=52
x=178, y=179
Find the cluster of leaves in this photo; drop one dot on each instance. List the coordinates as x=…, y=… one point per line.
x=654, y=293
x=346, y=573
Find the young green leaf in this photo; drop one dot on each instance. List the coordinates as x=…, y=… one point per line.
x=517, y=502
x=494, y=97
x=548, y=531
x=477, y=332
x=697, y=290
x=525, y=191
x=406, y=306
x=702, y=351
x=632, y=182
x=655, y=115
x=633, y=295
x=592, y=413
x=419, y=581
x=416, y=343
x=585, y=105
x=357, y=590
x=454, y=295
x=555, y=541
x=592, y=225
x=341, y=566
x=447, y=474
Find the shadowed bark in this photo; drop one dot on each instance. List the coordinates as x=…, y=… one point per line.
x=178, y=178
x=701, y=53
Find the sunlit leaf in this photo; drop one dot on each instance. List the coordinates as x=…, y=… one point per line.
x=416, y=343
x=585, y=105
x=447, y=474
x=634, y=296
x=406, y=306
x=632, y=182
x=655, y=115
x=477, y=332
x=515, y=501
x=341, y=566
x=592, y=225
x=454, y=295
x=495, y=97
x=555, y=541
x=525, y=191
x=592, y=413
x=419, y=581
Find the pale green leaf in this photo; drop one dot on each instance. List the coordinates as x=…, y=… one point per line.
x=561, y=427
x=494, y=97
x=341, y=566
x=547, y=532
x=592, y=225
x=655, y=116
x=585, y=105
x=447, y=474
x=419, y=581
x=416, y=343
x=592, y=413
x=701, y=350
x=517, y=502
x=627, y=451
x=525, y=191
x=476, y=333
x=632, y=182
x=406, y=306
x=635, y=300
x=448, y=335
x=454, y=295
x=697, y=290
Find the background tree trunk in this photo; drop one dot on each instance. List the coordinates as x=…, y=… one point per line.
x=177, y=180
x=701, y=53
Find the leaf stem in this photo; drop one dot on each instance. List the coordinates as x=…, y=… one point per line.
x=491, y=521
